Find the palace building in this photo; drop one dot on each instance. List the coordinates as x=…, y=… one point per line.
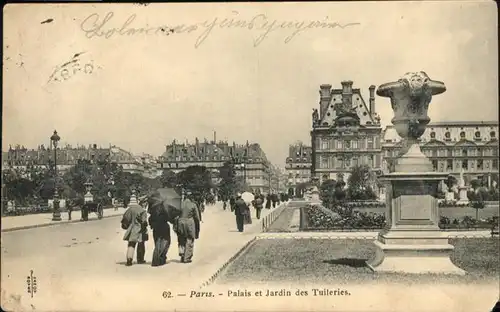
x=298, y=166
x=20, y=157
x=250, y=160
x=346, y=132
x=454, y=147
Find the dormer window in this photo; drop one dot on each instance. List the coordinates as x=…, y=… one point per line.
x=433, y=135
x=447, y=136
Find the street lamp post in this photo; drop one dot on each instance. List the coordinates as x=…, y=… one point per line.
x=56, y=215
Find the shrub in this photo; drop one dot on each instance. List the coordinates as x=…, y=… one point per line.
x=341, y=217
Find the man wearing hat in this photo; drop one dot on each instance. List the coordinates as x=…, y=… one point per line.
x=240, y=208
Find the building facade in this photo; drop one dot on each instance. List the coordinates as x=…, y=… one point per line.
x=453, y=147
x=20, y=157
x=345, y=133
x=298, y=166
x=249, y=160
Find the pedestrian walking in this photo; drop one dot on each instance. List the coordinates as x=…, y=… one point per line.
x=258, y=203
x=232, y=201
x=135, y=222
x=268, y=201
x=274, y=199
x=188, y=229
x=239, y=211
x=158, y=220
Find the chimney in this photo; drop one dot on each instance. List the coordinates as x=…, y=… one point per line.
x=215, y=137
x=372, y=99
x=325, y=96
x=347, y=94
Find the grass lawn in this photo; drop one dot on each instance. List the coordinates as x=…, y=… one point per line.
x=343, y=261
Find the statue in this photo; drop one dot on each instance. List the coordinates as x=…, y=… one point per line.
x=461, y=181
x=315, y=116
x=412, y=241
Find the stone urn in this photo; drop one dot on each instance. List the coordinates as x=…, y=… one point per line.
x=412, y=241
x=410, y=98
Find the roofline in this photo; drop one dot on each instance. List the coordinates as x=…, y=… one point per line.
x=457, y=123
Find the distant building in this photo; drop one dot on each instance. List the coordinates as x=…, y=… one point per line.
x=468, y=146
x=21, y=157
x=250, y=160
x=346, y=132
x=298, y=166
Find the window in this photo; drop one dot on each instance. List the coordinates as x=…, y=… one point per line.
x=449, y=164
x=355, y=144
x=340, y=162
x=434, y=165
x=492, y=134
x=354, y=161
x=347, y=144
x=339, y=144
x=370, y=142
x=465, y=164
x=434, y=153
x=495, y=163
x=480, y=164
x=433, y=135
x=324, y=144
x=371, y=162
x=477, y=134
x=462, y=135
x=464, y=153
x=348, y=163
x=449, y=153
x=324, y=162
x=447, y=136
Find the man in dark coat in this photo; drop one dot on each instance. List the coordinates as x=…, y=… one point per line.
x=161, y=235
x=268, y=201
x=274, y=198
x=188, y=229
x=240, y=208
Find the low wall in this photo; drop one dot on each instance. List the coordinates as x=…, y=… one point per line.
x=270, y=218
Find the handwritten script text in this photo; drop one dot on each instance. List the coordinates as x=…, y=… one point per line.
x=96, y=26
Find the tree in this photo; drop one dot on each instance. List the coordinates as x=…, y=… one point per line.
x=477, y=196
x=301, y=188
x=450, y=182
x=228, y=184
x=360, y=183
x=168, y=179
x=332, y=194
x=198, y=182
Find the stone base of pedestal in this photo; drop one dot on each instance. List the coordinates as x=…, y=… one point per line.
x=412, y=255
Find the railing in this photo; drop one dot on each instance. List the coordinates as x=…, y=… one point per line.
x=270, y=218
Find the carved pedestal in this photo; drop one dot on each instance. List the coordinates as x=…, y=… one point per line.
x=412, y=241
x=133, y=200
x=88, y=197
x=462, y=195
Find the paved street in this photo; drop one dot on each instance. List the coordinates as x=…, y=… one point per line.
x=81, y=265
x=45, y=219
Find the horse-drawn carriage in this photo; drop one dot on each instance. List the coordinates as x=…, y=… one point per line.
x=92, y=206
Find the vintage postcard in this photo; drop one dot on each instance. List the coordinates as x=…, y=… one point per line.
x=293, y=156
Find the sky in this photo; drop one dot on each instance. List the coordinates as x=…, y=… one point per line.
x=195, y=71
